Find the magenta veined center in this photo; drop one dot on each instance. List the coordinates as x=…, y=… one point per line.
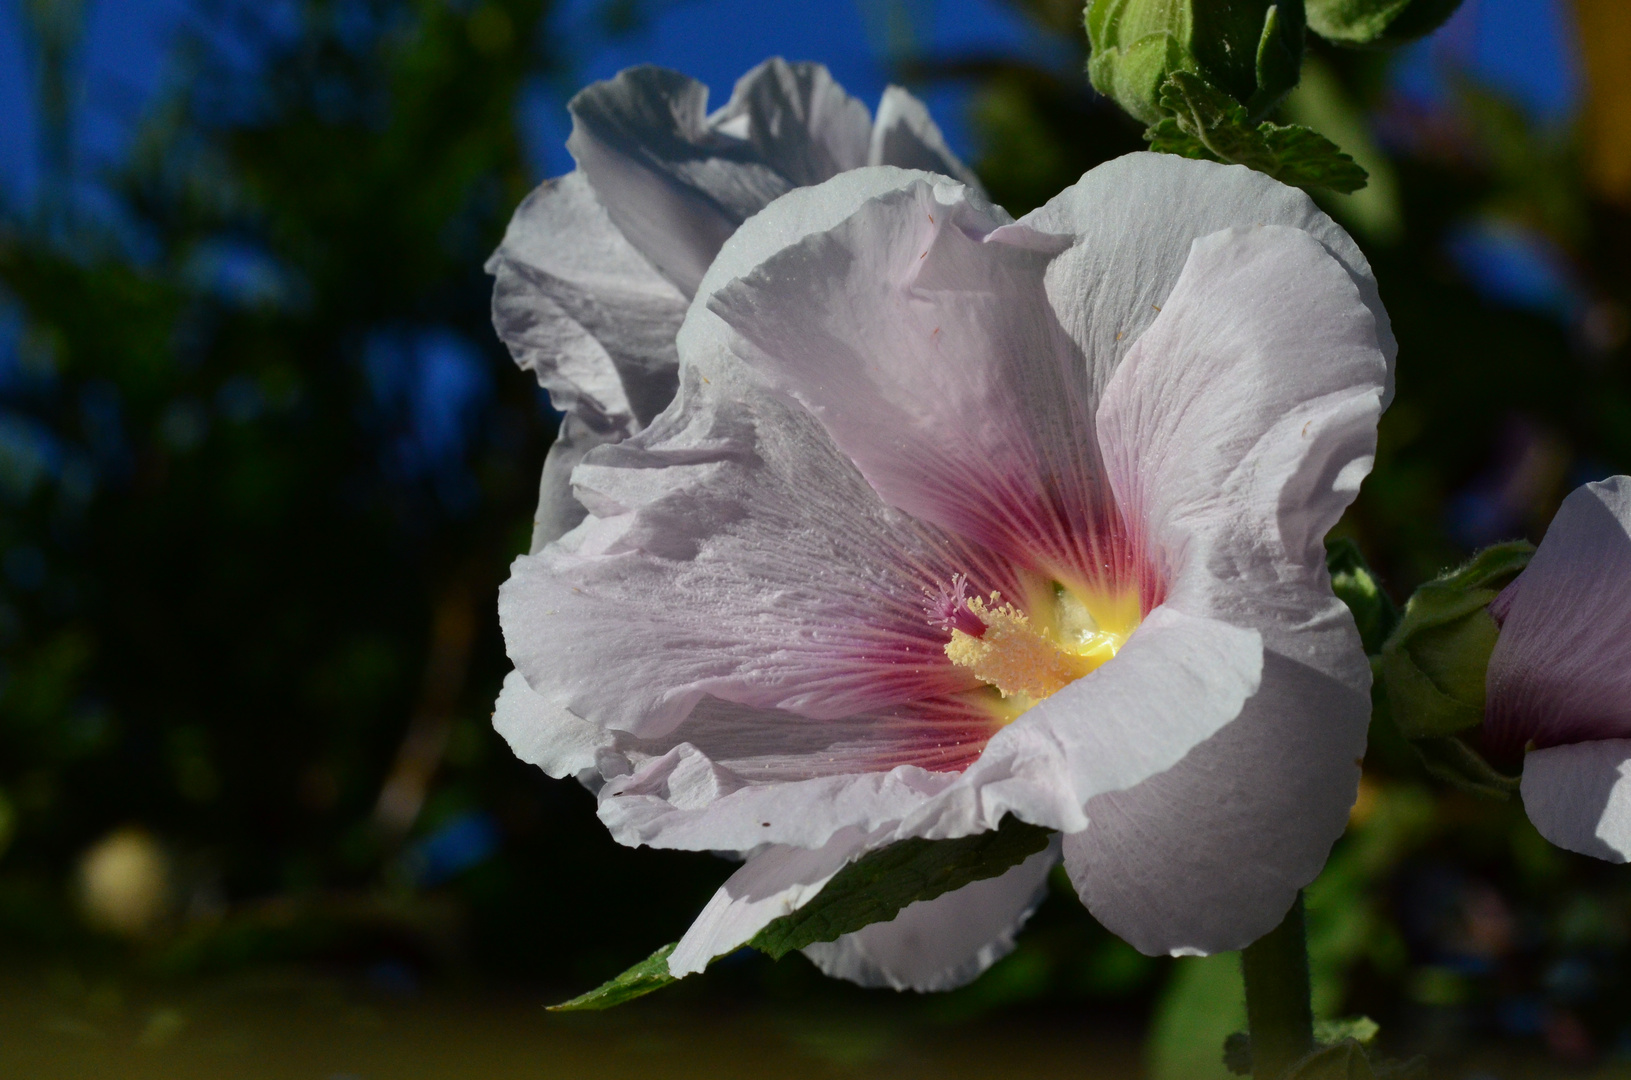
x=1025, y=651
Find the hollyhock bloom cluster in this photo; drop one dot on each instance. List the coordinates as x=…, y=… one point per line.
x=955, y=517
x=1559, y=680
x=597, y=267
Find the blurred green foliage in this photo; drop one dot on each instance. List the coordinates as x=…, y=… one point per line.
x=263, y=466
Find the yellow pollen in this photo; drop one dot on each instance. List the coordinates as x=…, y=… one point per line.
x=1028, y=660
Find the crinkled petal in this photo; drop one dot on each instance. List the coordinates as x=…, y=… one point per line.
x=583, y=311
x=934, y=362
x=732, y=553
x=1133, y=220
x=1561, y=669
x=559, y=511
x=798, y=120
x=1238, y=429
x=1579, y=796
x=678, y=182
x=946, y=942
x=1177, y=682
x=1209, y=855
x=773, y=882
x=551, y=738
x=905, y=135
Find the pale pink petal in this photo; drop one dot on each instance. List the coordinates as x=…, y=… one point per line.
x=1236, y=432
x=1132, y=221
x=934, y=362
x=1177, y=681
x=559, y=511
x=584, y=311
x=1238, y=429
x=774, y=882
x=1561, y=669
x=1579, y=796
x=678, y=182
x=1208, y=856
x=905, y=135
x=946, y=942
x=554, y=740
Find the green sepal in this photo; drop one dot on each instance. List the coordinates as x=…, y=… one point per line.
x=1361, y=1029
x=1251, y=49
x=873, y=888
x=1209, y=125
x=1377, y=23
x=1433, y=664
x=1355, y=584
x=638, y=981
x=1451, y=760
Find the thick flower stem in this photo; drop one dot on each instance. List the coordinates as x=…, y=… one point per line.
x=1278, y=1010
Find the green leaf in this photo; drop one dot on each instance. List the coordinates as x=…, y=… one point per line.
x=1433, y=664
x=1355, y=585
x=871, y=889
x=875, y=887
x=641, y=979
x=1377, y=22
x=1208, y=124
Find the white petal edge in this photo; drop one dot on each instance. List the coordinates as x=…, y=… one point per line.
x=1133, y=219
x=1208, y=856
x=946, y=942
x=1579, y=797
x=773, y=882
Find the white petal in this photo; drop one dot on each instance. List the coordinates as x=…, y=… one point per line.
x=582, y=310
x=559, y=510
x=732, y=553
x=677, y=182
x=798, y=120
x=905, y=135
x=935, y=363
x=774, y=882
x=1238, y=429
x=946, y=942
x=1209, y=855
x=1177, y=682
x=1561, y=669
x=1133, y=220
x=554, y=740
x=1579, y=796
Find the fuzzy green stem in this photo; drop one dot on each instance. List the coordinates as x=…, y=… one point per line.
x=1278, y=1010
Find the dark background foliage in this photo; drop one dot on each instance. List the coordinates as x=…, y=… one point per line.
x=263, y=466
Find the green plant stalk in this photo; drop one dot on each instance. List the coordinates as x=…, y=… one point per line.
x=1279, y=1014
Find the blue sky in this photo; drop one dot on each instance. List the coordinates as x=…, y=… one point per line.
x=1519, y=45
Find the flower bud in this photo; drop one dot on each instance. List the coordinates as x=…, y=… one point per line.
x=1251, y=49
x=1432, y=666
x=1377, y=22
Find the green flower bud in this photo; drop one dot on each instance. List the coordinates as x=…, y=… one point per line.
x=1432, y=667
x=1250, y=49
x=1377, y=22
x=1433, y=664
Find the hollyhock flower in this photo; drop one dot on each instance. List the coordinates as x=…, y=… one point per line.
x=1559, y=680
x=955, y=517
x=597, y=267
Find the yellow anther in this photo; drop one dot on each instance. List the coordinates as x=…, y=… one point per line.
x=1029, y=660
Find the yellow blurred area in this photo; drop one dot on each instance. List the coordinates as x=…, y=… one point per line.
x=1605, y=45
x=124, y=882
